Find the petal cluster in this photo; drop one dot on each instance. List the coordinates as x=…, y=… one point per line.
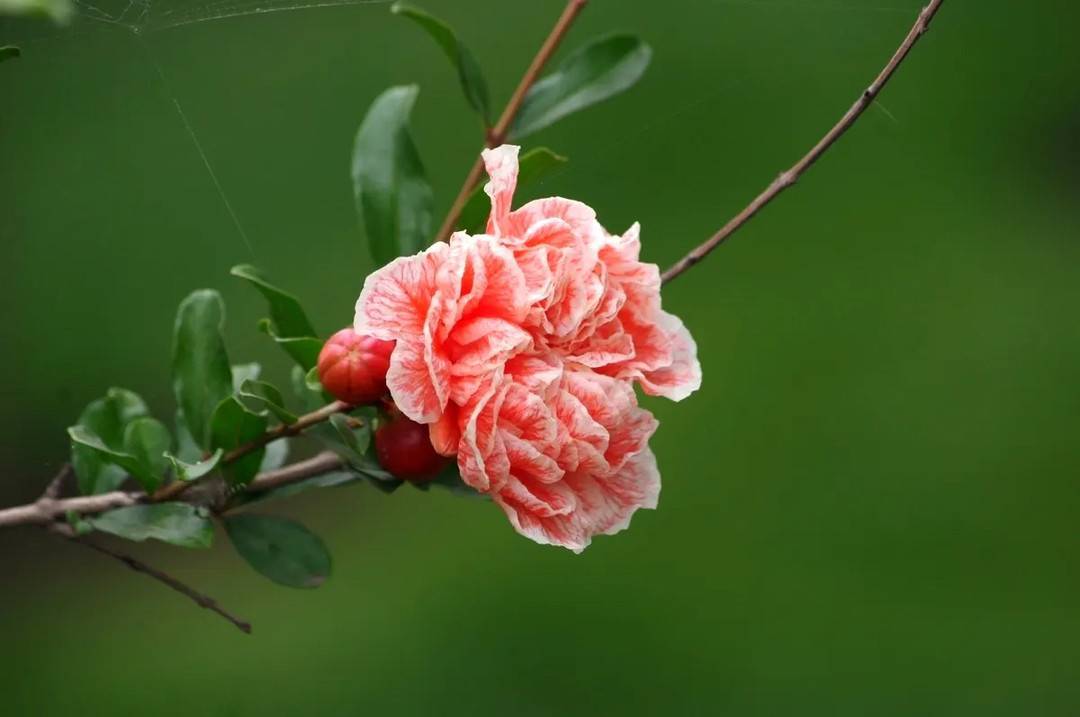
x=520, y=348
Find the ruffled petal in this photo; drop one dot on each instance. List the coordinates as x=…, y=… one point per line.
x=395, y=299
x=502, y=167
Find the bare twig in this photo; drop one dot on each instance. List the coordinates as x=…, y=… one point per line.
x=324, y=462
x=498, y=134
x=788, y=178
x=200, y=599
x=56, y=485
x=45, y=509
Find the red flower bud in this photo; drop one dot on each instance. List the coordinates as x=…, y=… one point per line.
x=404, y=449
x=353, y=367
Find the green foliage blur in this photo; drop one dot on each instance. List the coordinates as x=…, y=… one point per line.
x=869, y=508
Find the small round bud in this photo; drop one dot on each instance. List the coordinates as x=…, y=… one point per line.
x=353, y=367
x=404, y=449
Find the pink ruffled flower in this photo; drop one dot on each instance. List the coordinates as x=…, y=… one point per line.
x=519, y=348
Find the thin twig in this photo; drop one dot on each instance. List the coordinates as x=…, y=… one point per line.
x=45, y=510
x=56, y=485
x=324, y=462
x=200, y=599
x=498, y=134
x=788, y=178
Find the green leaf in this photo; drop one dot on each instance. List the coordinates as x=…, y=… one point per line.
x=285, y=310
x=280, y=549
x=533, y=166
x=83, y=437
x=356, y=440
x=304, y=350
x=392, y=194
x=193, y=471
x=602, y=69
x=186, y=448
x=311, y=380
x=471, y=76
x=177, y=523
x=9, y=52
x=106, y=418
x=269, y=397
x=148, y=440
x=231, y=426
x=202, y=376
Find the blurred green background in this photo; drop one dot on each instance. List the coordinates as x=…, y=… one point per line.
x=869, y=508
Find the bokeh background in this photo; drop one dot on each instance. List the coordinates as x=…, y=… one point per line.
x=869, y=508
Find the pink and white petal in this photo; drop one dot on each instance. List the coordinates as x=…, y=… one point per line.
x=482, y=456
x=683, y=375
x=528, y=416
x=581, y=217
x=394, y=301
x=635, y=486
x=629, y=437
x=502, y=167
x=608, y=345
x=480, y=345
x=410, y=383
x=537, y=372
x=528, y=462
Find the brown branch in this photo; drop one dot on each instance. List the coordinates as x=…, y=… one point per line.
x=45, y=509
x=324, y=462
x=498, y=134
x=788, y=178
x=177, y=488
x=200, y=599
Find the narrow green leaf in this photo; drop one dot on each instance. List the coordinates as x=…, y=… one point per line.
x=280, y=549
x=602, y=69
x=285, y=310
x=83, y=437
x=471, y=76
x=193, y=471
x=392, y=193
x=148, y=440
x=106, y=418
x=288, y=325
x=9, y=52
x=177, y=523
x=533, y=166
x=304, y=350
x=267, y=396
x=231, y=426
x=202, y=376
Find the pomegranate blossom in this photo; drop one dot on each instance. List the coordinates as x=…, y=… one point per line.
x=520, y=349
